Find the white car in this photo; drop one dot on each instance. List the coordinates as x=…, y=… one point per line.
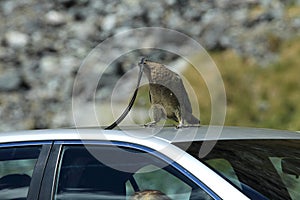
x=186, y=163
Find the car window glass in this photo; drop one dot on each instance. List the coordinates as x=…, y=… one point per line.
x=291, y=181
x=225, y=168
x=255, y=166
x=82, y=175
x=150, y=177
x=16, y=168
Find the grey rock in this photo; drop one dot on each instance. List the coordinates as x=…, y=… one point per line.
x=83, y=30
x=8, y=6
x=69, y=64
x=9, y=79
x=16, y=39
x=296, y=23
x=3, y=53
x=49, y=65
x=109, y=22
x=15, y=112
x=215, y=24
x=55, y=18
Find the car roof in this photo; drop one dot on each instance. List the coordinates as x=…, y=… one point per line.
x=158, y=139
x=167, y=134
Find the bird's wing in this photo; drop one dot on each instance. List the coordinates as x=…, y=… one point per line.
x=180, y=92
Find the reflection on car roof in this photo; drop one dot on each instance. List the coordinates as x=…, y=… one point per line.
x=168, y=134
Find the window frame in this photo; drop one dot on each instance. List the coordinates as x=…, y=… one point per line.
x=40, y=165
x=48, y=186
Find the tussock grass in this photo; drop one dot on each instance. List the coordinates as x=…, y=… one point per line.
x=257, y=96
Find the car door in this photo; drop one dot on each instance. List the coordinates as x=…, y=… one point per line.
x=116, y=170
x=21, y=169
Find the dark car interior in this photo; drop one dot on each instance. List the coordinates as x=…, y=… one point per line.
x=15, y=180
x=91, y=176
x=82, y=175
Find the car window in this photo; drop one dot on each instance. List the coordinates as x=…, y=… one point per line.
x=149, y=177
x=224, y=167
x=291, y=181
x=16, y=168
x=119, y=173
x=255, y=166
x=152, y=177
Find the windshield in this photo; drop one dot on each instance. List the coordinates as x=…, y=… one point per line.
x=261, y=169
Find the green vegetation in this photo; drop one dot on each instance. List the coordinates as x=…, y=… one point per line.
x=257, y=96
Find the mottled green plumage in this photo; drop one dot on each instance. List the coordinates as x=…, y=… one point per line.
x=168, y=95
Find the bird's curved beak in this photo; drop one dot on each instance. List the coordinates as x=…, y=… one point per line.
x=141, y=63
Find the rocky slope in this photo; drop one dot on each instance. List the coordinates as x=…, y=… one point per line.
x=43, y=44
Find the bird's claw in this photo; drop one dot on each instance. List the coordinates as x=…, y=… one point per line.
x=180, y=125
x=150, y=124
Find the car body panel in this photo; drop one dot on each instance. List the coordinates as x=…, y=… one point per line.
x=169, y=134
x=159, y=139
